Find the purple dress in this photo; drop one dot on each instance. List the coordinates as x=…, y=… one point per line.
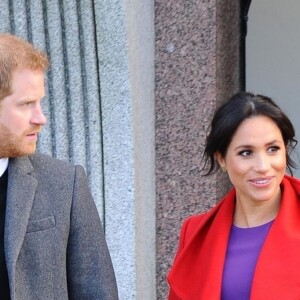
x=242, y=253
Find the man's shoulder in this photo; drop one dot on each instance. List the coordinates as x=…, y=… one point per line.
x=43, y=163
x=44, y=158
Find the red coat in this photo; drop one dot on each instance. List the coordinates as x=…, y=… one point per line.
x=198, y=266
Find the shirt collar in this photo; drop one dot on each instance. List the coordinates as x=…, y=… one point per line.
x=3, y=165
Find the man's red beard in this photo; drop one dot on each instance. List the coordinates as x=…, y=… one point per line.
x=12, y=145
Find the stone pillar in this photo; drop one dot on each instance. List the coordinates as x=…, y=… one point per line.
x=126, y=57
x=100, y=110
x=197, y=67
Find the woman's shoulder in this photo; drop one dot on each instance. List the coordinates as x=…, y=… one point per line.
x=194, y=220
x=193, y=223
x=201, y=222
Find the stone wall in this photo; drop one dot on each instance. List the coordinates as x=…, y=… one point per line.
x=197, y=67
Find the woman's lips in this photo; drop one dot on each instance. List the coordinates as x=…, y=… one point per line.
x=262, y=182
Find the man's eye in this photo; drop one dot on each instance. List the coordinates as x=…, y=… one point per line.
x=24, y=103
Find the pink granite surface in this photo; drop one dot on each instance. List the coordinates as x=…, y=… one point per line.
x=197, y=64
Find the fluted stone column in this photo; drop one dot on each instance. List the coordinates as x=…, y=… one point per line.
x=100, y=110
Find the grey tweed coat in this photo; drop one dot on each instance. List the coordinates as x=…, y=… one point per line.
x=54, y=243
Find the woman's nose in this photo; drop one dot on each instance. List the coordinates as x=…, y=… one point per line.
x=262, y=163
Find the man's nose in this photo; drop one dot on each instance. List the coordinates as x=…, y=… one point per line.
x=38, y=117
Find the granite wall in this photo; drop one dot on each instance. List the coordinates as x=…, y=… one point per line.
x=197, y=66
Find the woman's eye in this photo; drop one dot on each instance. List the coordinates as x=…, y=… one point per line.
x=273, y=149
x=245, y=153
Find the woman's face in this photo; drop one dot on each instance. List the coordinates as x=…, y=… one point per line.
x=256, y=160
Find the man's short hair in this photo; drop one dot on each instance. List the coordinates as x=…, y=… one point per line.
x=16, y=53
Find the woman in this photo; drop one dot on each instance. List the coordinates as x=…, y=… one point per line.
x=248, y=245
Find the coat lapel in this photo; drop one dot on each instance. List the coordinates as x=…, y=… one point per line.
x=197, y=271
x=20, y=194
x=277, y=274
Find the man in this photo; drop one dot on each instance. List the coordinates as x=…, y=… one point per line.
x=51, y=242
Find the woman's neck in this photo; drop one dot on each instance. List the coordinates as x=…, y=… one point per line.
x=254, y=214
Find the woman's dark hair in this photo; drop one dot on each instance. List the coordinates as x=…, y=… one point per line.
x=231, y=114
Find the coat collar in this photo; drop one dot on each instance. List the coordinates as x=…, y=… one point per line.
x=198, y=266
x=20, y=194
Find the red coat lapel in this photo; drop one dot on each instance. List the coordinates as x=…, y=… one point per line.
x=198, y=266
x=197, y=270
x=277, y=274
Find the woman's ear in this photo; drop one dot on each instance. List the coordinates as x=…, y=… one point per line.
x=221, y=161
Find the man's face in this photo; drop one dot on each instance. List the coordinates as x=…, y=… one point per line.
x=21, y=116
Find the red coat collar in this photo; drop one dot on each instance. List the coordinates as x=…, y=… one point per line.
x=198, y=266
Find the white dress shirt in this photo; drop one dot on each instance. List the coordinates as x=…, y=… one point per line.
x=3, y=165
